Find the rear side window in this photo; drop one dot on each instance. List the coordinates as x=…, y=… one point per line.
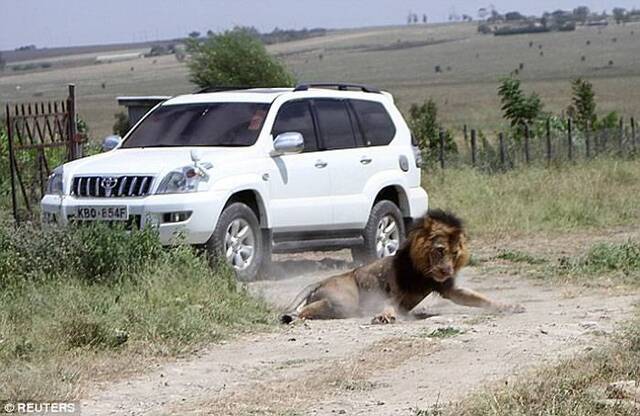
x=295, y=116
x=335, y=124
x=376, y=124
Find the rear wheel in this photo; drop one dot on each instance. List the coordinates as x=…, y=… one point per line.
x=383, y=234
x=237, y=239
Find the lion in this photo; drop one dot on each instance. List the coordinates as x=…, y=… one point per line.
x=428, y=261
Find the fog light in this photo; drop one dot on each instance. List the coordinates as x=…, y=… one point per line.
x=181, y=216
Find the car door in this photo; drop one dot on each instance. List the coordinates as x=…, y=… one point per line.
x=347, y=160
x=300, y=191
x=378, y=131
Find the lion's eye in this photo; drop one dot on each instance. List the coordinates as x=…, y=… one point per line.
x=440, y=250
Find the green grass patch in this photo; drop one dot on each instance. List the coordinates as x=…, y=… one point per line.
x=444, y=332
x=607, y=258
x=85, y=302
x=515, y=256
x=596, y=194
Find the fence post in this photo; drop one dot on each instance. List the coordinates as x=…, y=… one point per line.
x=466, y=134
x=526, y=144
x=621, y=136
x=633, y=134
x=502, y=151
x=587, y=142
x=548, y=140
x=74, y=144
x=441, y=156
x=14, y=202
x=570, y=139
x=473, y=147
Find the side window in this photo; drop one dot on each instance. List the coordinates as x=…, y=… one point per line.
x=376, y=124
x=296, y=116
x=335, y=124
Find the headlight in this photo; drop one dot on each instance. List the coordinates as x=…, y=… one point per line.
x=183, y=180
x=54, y=183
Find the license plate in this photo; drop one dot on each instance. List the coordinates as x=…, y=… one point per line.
x=102, y=213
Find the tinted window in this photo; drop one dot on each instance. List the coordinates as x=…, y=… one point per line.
x=211, y=124
x=376, y=125
x=335, y=124
x=296, y=116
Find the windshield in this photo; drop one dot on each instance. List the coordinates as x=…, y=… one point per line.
x=208, y=124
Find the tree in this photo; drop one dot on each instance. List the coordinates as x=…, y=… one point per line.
x=3, y=63
x=581, y=13
x=194, y=35
x=423, y=121
x=234, y=58
x=121, y=125
x=583, y=108
x=513, y=16
x=619, y=14
x=519, y=109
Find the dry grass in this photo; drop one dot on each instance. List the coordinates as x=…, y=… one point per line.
x=597, y=194
x=399, y=59
x=575, y=387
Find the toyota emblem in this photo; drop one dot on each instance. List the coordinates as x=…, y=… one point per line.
x=108, y=183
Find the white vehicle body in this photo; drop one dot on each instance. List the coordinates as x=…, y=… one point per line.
x=321, y=198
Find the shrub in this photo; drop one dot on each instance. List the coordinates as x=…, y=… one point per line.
x=583, y=109
x=93, y=253
x=121, y=126
x=518, y=109
x=423, y=121
x=234, y=58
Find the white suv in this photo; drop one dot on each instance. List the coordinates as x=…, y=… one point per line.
x=246, y=172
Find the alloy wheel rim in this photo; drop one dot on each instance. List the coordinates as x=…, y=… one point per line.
x=387, y=237
x=239, y=244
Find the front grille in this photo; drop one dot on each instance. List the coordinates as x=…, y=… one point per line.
x=111, y=186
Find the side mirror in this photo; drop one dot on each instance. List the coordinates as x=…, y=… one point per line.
x=290, y=142
x=111, y=142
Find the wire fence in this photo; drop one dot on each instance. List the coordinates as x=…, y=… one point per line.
x=555, y=142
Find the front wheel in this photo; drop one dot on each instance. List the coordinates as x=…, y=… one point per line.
x=383, y=233
x=237, y=239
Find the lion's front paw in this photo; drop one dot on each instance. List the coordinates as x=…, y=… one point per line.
x=511, y=308
x=383, y=319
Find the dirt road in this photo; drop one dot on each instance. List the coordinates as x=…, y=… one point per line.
x=354, y=368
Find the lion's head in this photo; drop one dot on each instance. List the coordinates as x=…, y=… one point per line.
x=438, y=245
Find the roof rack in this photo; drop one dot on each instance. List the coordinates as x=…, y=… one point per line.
x=223, y=88
x=339, y=85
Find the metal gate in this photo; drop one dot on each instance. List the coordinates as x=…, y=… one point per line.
x=39, y=134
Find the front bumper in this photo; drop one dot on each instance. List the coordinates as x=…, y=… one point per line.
x=418, y=202
x=205, y=208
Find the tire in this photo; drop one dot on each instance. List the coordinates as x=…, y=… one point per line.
x=380, y=238
x=238, y=240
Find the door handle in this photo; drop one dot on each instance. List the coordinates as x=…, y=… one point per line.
x=321, y=164
x=366, y=160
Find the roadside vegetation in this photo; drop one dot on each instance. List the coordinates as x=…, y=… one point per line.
x=94, y=302
x=596, y=194
x=601, y=382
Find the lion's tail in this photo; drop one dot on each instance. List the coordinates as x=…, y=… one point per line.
x=291, y=312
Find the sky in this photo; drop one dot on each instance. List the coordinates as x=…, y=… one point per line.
x=49, y=23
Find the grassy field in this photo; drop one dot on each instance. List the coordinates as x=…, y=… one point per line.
x=598, y=194
x=399, y=59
